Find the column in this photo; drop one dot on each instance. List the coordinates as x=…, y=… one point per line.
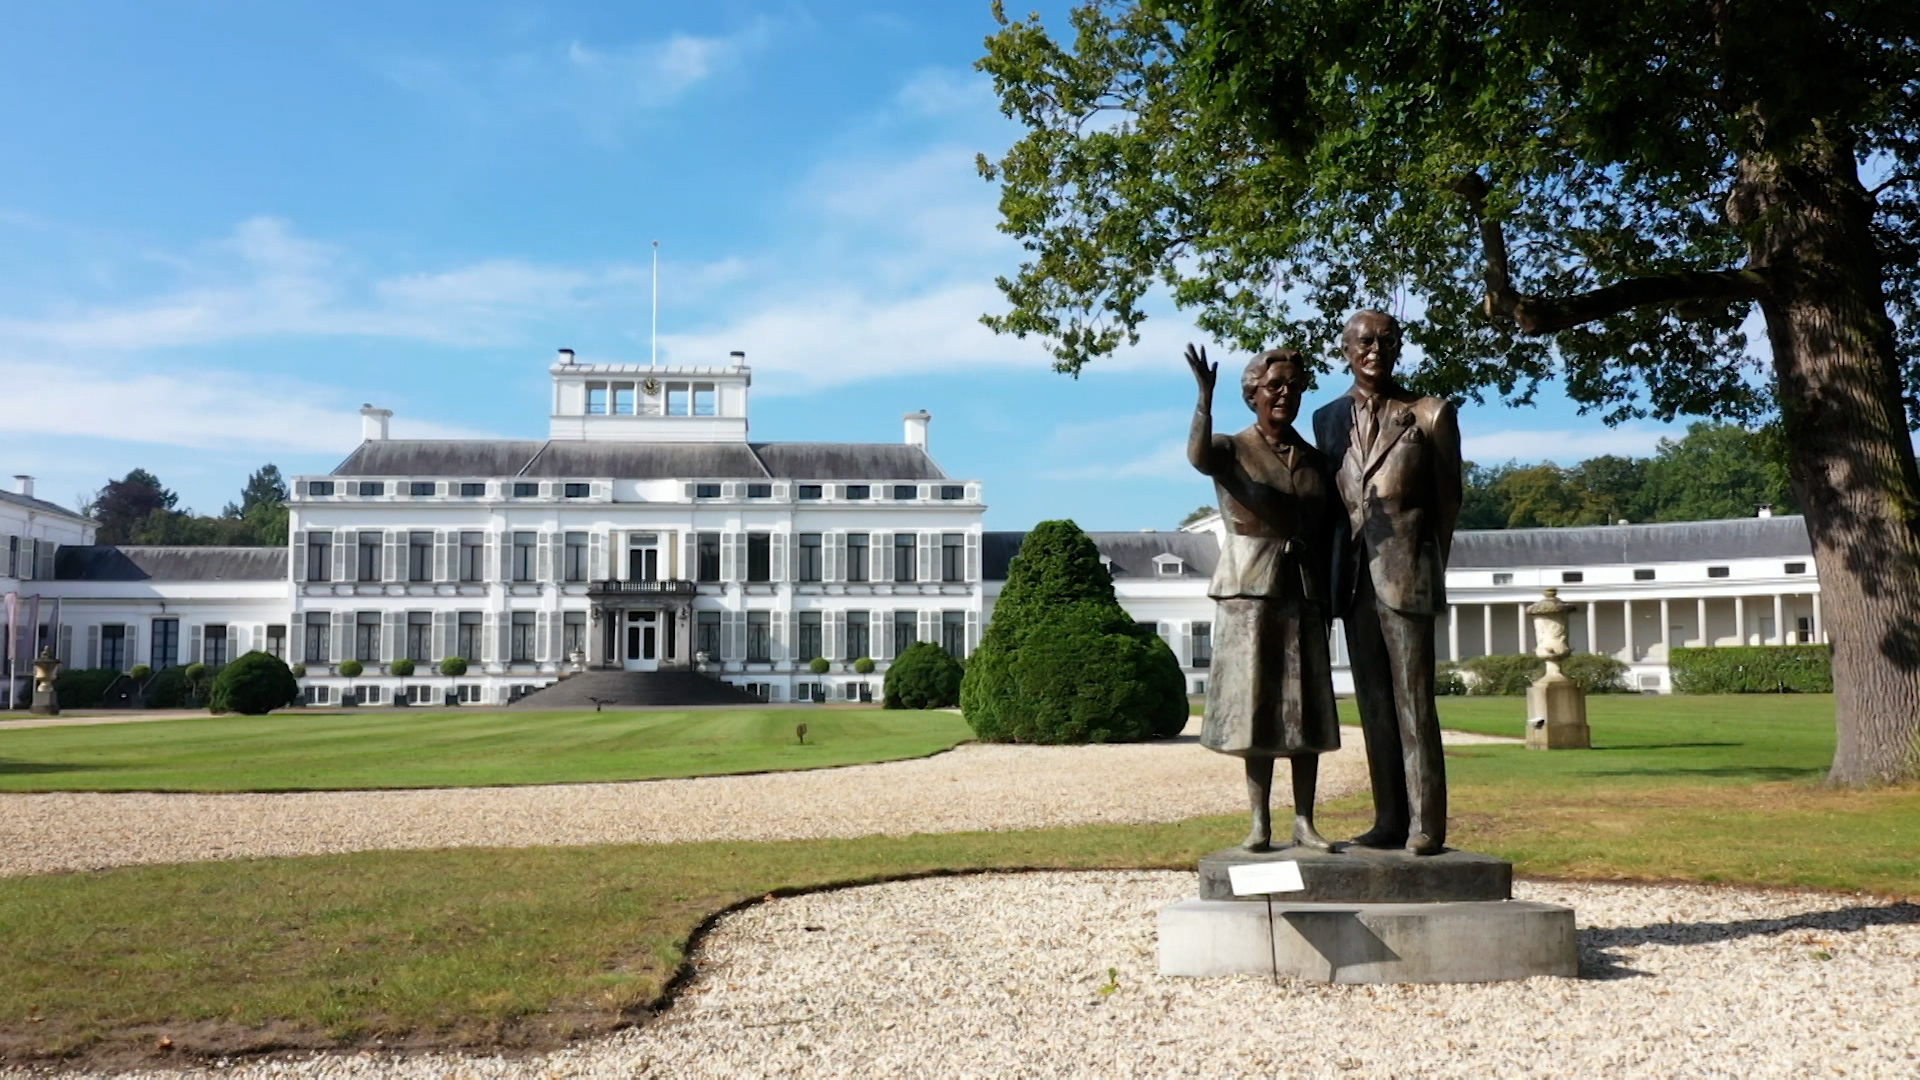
x=596, y=630
x=1453, y=632
x=1819, y=630
x=1486, y=628
x=1740, y=619
x=1700, y=615
x=1779, y=619
x=1626, y=626
x=1666, y=629
x=1593, y=626
x=1520, y=626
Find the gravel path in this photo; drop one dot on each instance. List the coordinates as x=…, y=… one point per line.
x=975, y=787
x=918, y=979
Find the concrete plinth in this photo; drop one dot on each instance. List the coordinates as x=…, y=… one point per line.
x=1370, y=875
x=1470, y=941
x=1557, y=714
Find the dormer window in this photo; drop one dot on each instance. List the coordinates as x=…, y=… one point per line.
x=1106, y=562
x=1169, y=565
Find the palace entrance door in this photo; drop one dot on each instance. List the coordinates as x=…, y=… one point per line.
x=640, y=644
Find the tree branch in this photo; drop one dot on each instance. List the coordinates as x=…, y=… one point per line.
x=1547, y=314
x=1897, y=178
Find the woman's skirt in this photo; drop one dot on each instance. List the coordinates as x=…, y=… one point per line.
x=1270, y=690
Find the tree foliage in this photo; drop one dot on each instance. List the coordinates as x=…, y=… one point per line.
x=123, y=505
x=1062, y=661
x=140, y=510
x=923, y=676
x=255, y=684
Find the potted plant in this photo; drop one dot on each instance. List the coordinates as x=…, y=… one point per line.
x=350, y=670
x=453, y=667
x=402, y=667
x=198, y=677
x=864, y=665
x=819, y=665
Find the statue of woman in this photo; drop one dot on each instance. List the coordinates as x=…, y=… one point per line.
x=1270, y=690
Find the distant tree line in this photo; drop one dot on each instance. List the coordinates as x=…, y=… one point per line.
x=139, y=509
x=1714, y=471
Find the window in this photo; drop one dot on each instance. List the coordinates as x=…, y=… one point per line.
x=113, y=647
x=623, y=399
x=576, y=560
x=596, y=399
x=809, y=491
x=523, y=559
x=810, y=557
x=317, y=650
x=759, y=556
x=573, y=634
x=368, y=566
x=420, y=636
x=857, y=644
x=1202, y=644
x=277, y=641
x=213, y=651
x=903, y=568
x=706, y=633
x=953, y=632
x=319, y=556
x=1643, y=575
x=643, y=557
x=1796, y=568
x=677, y=399
x=906, y=491
x=521, y=640
x=1167, y=566
x=524, y=490
x=953, y=557
x=320, y=487
x=703, y=399
x=759, y=637
x=473, y=491
x=420, y=556
x=473, y=556
x=859, y=491
x=953, y=491
x=706, y=557
x=809, y=635
x=366, y=637
x=856, y=556
x=577, y=491
x=423, y=488
x=372, y=488
x=905, y=630
x=1503, y=579
x=759, y=491
x=1719, y=571
x=466, y=641
x=1572, y=577
x=13, y=556
x=706, y=491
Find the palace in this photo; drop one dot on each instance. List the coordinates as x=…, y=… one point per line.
x=649, y=533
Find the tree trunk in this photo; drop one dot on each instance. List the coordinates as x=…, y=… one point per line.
x=1851, y=461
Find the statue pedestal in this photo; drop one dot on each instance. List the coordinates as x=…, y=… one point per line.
x=1370, y=916
x=1557, y=714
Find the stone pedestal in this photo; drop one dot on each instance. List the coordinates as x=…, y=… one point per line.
x=1557, y=713
x=46, y=699
x=1373, y=916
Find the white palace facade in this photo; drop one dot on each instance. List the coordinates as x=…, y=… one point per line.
x=647, y=532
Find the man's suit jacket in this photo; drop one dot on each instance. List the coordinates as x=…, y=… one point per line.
x=1277, y=517
x=1402, y=499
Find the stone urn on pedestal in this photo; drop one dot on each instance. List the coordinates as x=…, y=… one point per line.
x=1556, y=707
x=46, y=699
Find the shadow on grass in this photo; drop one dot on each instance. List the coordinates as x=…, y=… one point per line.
x=34, y=768
x=1733, y=772
x=1598, y=962
x=1668, y=746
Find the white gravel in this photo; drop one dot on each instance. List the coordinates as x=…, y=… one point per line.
x=1001, y=975
x=973, y=787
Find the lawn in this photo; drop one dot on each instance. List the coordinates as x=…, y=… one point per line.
x=528, y=947
x=397, y=748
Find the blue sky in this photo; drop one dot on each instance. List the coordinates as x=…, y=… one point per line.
x=224, y=226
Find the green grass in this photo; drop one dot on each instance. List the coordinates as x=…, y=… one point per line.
x=527, y=947
x=391, y=748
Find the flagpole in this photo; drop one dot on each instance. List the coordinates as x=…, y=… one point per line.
x=655, y=358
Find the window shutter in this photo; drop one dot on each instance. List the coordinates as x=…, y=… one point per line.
x=393, y=629
x=343, y=555
x=929, y=626
x=193, y=644
x=880, y=557
x=299, y=555
x=835, y=633
x=543, y=624
x=342, y=635
x=1183, y=652
x=973, y=632
x=93, y=647
x=835, y=552
x=597, y=557
x=778, y=570
x=730, y=490
x=929, y=556
x=396, y=555
x=736, y=643
x=730, y=557
x=443, y=555
x=64, y=647
x=544, y=569
x=973, y=557
x=443, y=635
x=495, y=560
x=133, y=647
x=690, y=489
x=45, y=572
x=790, y=640
x=547, y=489
x=880, y=629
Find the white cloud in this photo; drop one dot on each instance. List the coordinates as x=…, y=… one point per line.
x=1088, y=448
x=947, y=92
x=1564, y=446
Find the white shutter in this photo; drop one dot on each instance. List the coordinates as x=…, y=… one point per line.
x=193, y=644
x=597, y=557
x=442, y=555
x=735, y=645
x=396, y=555
x=393, y=631
x=929, y=556
x=63, y=648
x=495, y=562
x=542, y=624
x=342, y=635
x=343, y=554
x=880, y=629
x=1183, y=652
x=93, y=647
x=543, y=566
x=789, y=635
x=929, y=629
x=830, y=555
x=973, y=632
x=732, y=556
x=133, y=647
x=443, y=641
x=973, y=557
x=492, y=638
x=835, y=633
x=880, y=557
x=777, y=568
x=299, y=560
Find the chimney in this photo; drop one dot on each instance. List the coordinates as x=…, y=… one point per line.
x=23, y=485
x=566, y=356
x=917, y=428
x=739, y=357
x=373, y=423
x=1766, y=511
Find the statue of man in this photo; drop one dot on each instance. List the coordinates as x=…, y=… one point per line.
x=1270, y=689
x=1396, y=460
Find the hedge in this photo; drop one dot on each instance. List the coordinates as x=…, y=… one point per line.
x=81, y=688
x=1753, y=669
x=1511, y=673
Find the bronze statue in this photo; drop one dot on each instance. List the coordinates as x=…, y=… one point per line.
x=1270, y=689
x=1396, y=456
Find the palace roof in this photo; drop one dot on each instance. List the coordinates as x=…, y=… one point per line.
x=127, y=562
x=1663, y=542
x=640, y=461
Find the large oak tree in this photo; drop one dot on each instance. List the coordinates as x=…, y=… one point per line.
x=1595, y=191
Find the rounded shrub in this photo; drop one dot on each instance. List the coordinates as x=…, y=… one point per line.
x=864, y=665
x=923, y=676
x=140, y=672
x=351, y=668
x=819, y=665
x=401, y=667
x=1447, y=680
x=299, y=671
x=1062, y=661
x=254, y=684
x=197, y=672
x=453, y=666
